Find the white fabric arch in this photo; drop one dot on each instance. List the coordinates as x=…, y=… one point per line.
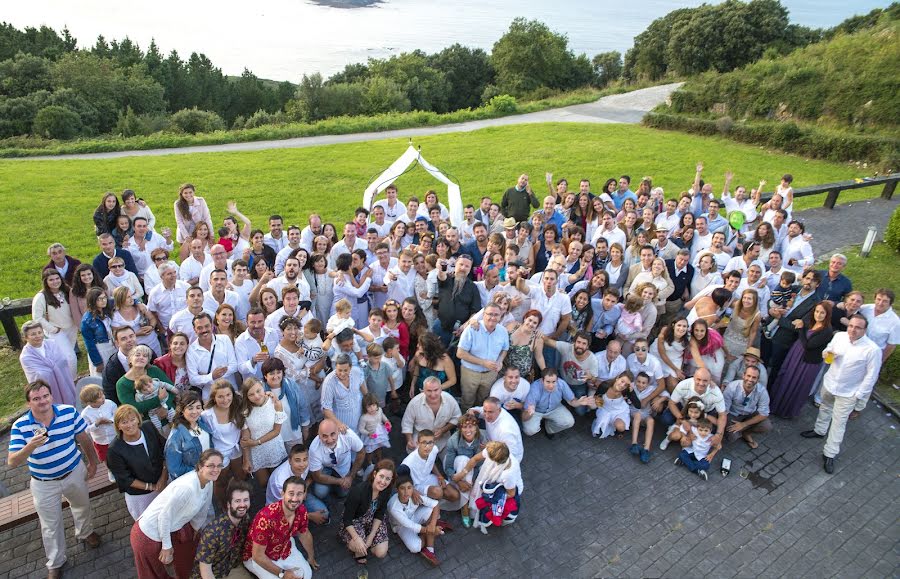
x=454, y=197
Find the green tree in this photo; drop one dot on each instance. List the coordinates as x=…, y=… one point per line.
x=468, y=70
x=425, y=87
x=356, y=72
x=383, y=95
x=607, y=67
x=56, y=122
x=647, y=59
x=197, y=121
x=17, y=114
x=307, y=106
x=24, y=74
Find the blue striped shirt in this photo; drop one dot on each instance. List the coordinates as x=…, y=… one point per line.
x=59, y=455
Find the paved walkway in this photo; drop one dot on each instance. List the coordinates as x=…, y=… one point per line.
x=621, y=108
x=590, y=509
x=847, y=224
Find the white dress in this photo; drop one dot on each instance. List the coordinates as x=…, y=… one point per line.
x=260, y=422
x=226, y=437
x=675, y=352
x=613, y=409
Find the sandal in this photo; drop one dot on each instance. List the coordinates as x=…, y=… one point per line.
x=361, y=560
x=752, y=444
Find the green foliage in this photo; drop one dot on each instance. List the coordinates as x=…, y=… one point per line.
x=56, y=122
x=530, y=55
x=261, y=118
x=467, y=70
x=503, y=103
x=423, y=86
x=607, y=68
x=384, y=95
x=863, y=21
x=43, y=42
x=24, y=74
x=892, y=233
x=196, y=121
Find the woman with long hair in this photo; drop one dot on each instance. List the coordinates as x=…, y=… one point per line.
x=616, y=269
x=96, y=330
x=321, y=284
x=743, y=328
x=226, y=322
x=627, y=206
x=633, y=251
x=671, y=344
x=259, y=251
x=582, y=313
x=705, y=273
x=348, y=287
x=223, y=419
x=686, y=220
x=263, y=415
x=431, y=359
x=106, y=213
x=85, y=278
x=706, y=350
x=174, y=362
x=659, y=277
x=137, y=317
x=593, y=217
x=206, y=237
x=396, y=239
x=123, y=231
x=415, y=320
x=765, y=236
x=364, y=527
x=394, y=325
x=798, y=373
x=330, y=233
x=190, y=210
x=525, y=345
x=50, y=308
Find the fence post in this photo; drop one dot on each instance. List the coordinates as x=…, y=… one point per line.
x=888, y=190
x=831, y=199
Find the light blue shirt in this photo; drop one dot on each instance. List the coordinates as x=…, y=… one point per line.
x=544, y=401
x=619, y=198
x=717, y=223
x=605, y=320
x=477, y=341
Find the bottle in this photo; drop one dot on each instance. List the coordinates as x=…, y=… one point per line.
x=263, y=348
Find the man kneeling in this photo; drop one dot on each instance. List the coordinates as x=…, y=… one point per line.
x=423, y=470
x=416, y=521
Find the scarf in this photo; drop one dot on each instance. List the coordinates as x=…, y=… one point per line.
x=291, y=392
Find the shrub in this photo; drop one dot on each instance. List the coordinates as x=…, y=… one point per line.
x=56, y=122
x=503, y=103
x=195, y=121
x=892, y=233
x=261, y=118
x=724, y=124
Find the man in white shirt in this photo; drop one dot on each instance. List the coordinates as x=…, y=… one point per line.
x=668, y=220
x=291, y=276
x=401, y=280
x=702, y=236
x=383, y=262
x=334, y=459
x=641, y=360
x=489, y=286
x=218, y=295
x=248, y=346
x=275, y=238
x=183, y=320
x=796, y=251
x=609, y=231
x=378, y=222
x=310, y=232
x=412, y=211
x=392, y=208
x=293, y=242
x=290, y=297
x=242, y=285
x=348, y=244
x=511, y=390
x=297, y=465
x=610, y=362
x=739, y=202
x=701, y=386
x=855, y=363
x=169, y=296
x=210, y=357
x=431, y=410
x=190, y=269
x=466, y=235
x=501, y=426
x=219, y=261
x=884, y=324
x=421, y=466
x=555, y=306
x=742, y=262
x=142, y=244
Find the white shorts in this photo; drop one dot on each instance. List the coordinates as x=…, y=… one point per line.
x=428, y=481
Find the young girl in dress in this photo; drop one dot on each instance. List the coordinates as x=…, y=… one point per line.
x=644, y=415
x=263, y=416
x=613, y=414
x=223, y=417
x=693, y=412
x=671, y=343
x=373, y=428
x=630, y=321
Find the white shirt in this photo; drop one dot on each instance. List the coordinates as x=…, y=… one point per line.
x=651, y=366
x=884, y=330
x=243, y=291
x=737, y=263
x=378, y=272
x=282, y=256
x=277, y=478
x=183, y=321
x=799, y=250
x=276, y=244
x=273, y=319
x=210, y=303
x=763, y=295
x=607, y=370
x=403, y=516
x=165, y=302
x=391, y=214
x=208, y=269
x=670, y=222
x=466, y=235
x=191, y=268
x=306, y=238
x=246, y=346
x=182, y=501
x=505, y=429
x=199, y=367
x=142, y=259
x=420, y=468
x=700, y=243
x=747, y=207
x=614, y=235
x=712, y=398
x=281, y=282
x=341, y=248
x=348, y=444
x=403, y=286
x=553, y=308
x=855, y=368
x=499, y=391
x=104, y=433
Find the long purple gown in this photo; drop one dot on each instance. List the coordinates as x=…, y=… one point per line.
x=791, y=388
x=52, y=368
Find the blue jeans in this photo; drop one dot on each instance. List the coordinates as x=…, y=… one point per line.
x=692, y=463
x=551, y=357
x=321, y=491
x=314, y=504
x=579, y=391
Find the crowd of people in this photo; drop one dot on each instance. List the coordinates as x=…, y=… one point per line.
x=298, y=364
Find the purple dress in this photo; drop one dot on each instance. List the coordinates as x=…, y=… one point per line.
x=52, y=368
x=791, y=388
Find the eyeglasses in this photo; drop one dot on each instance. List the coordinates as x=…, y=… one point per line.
x=426, y=442
x=217, y=466
x=333, y=458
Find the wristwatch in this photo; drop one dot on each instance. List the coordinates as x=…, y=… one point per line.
x=281, y=574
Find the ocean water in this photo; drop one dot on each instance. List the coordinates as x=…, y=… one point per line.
x=284, y=39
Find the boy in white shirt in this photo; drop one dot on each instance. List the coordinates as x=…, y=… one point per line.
x=695, y=453
x=98, y=414
x=416, y=521
x=421, y=466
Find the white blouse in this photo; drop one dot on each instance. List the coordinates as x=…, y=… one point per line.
x=183, y=501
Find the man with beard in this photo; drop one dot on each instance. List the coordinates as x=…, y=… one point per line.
x=478, y=247
x=458, y=298
x=578, y=365
x=218, y=295
x=210, y=357
x=291, y=276
x=270, y=551
x=310, y=232
x=248, y=347
x=218, y=550
x=516, y=200
x=183, y=320
x=293, y=237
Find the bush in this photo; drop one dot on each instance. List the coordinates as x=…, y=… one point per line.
x=261, y=118
x=724, y=124
x=503, y=103
x=195, y=121
x=56, y=122
x=892, y=233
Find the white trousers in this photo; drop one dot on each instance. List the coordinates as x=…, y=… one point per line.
x=558, y=419
x=410, y=538
x=295, y=562
x=137, y=504
x=833, y=415
x=47, y=496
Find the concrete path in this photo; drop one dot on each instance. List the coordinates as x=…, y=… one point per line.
x=621, y=108
x=846, y=225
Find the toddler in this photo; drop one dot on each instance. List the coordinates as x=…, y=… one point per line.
x=379, y=376
x=782, y=297
x=693, y=413
x=225, y=240
x=342, y=317
x=373, y=428
x=630, y=319
x=98, y=414
x=394, y=360
x=643, y=415
x=695, y=453
x=146, y=388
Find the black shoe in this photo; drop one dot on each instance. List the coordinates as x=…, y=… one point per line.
x=829, y=465
x=549, y=436
x=811, y=434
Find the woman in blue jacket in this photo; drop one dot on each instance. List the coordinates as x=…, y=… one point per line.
x=190, y=436
x=95, y=329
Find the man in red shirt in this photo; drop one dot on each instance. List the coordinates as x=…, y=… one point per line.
x=269, y=552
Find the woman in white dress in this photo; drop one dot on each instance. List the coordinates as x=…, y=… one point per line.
x=263, y=416
x=137, y=317
x=50, y=308
x=670, y=346
x=705, y=273
x=222, y=415
x=613, y=413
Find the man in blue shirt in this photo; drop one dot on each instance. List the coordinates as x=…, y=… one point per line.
x=835, y=285
x=716, y=222
x=624, y=192
x=482, y=349
x=544, y=402
x=551, y=216
x=57, y=471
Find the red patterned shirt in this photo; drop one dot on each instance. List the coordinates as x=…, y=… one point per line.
x=271, y=529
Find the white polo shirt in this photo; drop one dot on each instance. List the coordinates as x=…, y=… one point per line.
x=552, y=308
x=884, y=330
x=348, y=444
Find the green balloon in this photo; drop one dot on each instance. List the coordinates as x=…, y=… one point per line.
x=736, y=219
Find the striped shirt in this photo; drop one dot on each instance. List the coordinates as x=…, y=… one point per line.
x=59, y=455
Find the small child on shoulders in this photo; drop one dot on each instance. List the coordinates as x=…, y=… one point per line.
x=147, y=388
x=697, y=450
x=98, y=414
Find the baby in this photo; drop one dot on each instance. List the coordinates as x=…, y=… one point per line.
x=630, y=320
x=782, y=297
x=147, y=388
x=342, y=317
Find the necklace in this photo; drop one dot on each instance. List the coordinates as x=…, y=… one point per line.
x=195, y=430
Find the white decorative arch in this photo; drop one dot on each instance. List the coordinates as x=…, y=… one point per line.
x=398, y=167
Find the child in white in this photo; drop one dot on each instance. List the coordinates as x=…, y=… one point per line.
x=342, y=317
x=695, y=454
x=393, y=359
x=415, y=523
x=693, y=413
x=613, y=413
x=422, y=468
x=644, y=391
x=98, y=414
x=146, y=388
x=373, y=428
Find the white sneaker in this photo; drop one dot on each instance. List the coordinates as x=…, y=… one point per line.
x=702, y=474
x=664, y=444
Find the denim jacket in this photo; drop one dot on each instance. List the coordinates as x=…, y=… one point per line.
x=93, y=330
x=183, y=450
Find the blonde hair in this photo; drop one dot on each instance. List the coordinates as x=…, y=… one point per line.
x=343, y=306
x=374, y=349
x=123, y=412
x=90, y=393
x=497, y=451
x=120, y=297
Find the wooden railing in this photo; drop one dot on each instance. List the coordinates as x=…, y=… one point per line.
x=834, y=189
x=8, y=314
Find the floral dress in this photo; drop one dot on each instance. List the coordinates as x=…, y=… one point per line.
x=260, y=421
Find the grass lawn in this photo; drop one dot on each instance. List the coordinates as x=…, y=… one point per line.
x=48, y=201
x=879, y=270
